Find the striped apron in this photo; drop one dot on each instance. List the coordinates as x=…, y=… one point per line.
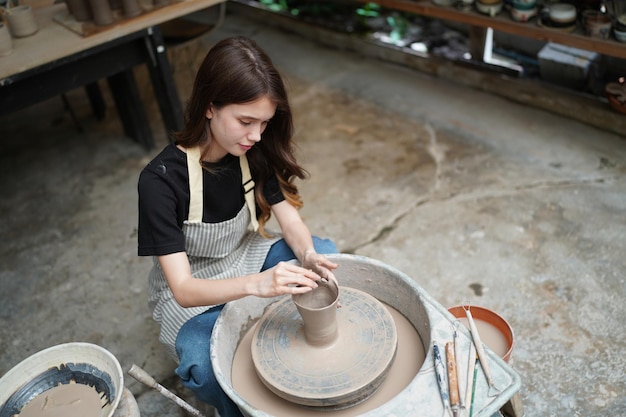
x=215, y=250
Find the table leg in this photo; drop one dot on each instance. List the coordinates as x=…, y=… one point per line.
x=478, y=38
x=163, y=81
x=130, y=108
x=95, y=98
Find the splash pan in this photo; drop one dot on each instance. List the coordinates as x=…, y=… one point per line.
x=430, y=319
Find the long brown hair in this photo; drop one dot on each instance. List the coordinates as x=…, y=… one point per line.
x=237, y=71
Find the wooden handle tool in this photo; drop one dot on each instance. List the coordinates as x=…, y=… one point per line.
x=482, y=356
x=453, y=382
x=143, y=377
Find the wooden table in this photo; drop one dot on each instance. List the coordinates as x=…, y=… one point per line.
x=57, y=59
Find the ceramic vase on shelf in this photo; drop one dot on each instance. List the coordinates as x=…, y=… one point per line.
x=102, y=14
x=21, y=20
x=115, y=4
x=131, y=8
x=6, y=43
x=80, y=9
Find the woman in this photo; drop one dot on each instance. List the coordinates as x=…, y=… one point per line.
x=204, y=202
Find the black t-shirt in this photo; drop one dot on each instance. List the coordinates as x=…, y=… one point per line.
x=164, y=199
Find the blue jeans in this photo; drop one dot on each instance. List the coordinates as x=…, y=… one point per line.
x=193, y=341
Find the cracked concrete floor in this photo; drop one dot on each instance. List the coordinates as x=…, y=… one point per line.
x=476, y=198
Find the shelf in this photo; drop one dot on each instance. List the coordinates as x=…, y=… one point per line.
x=503, y=24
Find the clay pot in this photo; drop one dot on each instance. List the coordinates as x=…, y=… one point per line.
x=597, y=25
x=80, y=9
x=318, y=309
x=102, y=14
x=6, y=43
x=21, y=20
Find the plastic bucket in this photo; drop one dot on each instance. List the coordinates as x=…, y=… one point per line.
x=80, y=363
x=491, y=322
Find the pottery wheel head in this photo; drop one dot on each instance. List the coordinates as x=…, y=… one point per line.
x=333, y=376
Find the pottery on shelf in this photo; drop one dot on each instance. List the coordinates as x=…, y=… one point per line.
x=102, y=14
x=489, y=7
x=620, y=35
x=616, y=94
x=561, y=13
x=6, y=43
x=522, y=15
x=597, y=24
x=21, y=20
x=131, y=8
x=80, y=9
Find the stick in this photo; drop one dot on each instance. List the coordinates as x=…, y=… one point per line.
x=471, y=365
x=143, y=377
x=459, y=369
x=481, y=354
x=471, y=412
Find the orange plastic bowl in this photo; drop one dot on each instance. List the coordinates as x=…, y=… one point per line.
x=493, y=318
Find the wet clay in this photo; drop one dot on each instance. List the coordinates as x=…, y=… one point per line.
x=325, y=357
x=408, y=361
x=489, y=335
x=318, y=309
x=68, y=400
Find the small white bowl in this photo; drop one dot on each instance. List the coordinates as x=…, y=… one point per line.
x=489, y=9
x=619, y=35
x=562, y=12
x=522, y=15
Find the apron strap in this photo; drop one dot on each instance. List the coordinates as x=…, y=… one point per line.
x=195, y=185
x=248, y=189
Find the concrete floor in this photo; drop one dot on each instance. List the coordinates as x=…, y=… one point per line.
x=477, y=198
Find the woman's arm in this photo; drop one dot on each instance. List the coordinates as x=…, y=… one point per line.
x=284, y=278
x=298, y=237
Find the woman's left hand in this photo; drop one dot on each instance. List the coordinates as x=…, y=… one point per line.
x=319, y=264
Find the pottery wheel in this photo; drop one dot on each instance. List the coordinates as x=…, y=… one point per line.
x=333, y=377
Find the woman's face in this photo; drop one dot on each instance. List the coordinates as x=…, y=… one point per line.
x=235, y=128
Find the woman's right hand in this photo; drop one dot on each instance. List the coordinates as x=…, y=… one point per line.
x=286, y=278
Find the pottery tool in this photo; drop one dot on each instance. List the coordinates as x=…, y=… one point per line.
x=471, y=367
x=471, y=410
x=453, y=382
x=457, y=356
x=143, y=377
x=481, y=352
x=441, y=377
